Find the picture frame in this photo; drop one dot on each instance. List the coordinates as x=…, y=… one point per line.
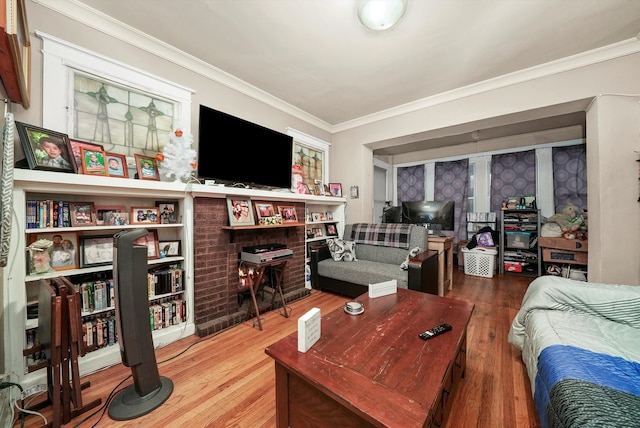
x=168, y=211
x=144, y=215
x=315, y=217
x=76, y=148
x=18, y=87
x=354, y=192
x=317, y=189
x=147, y=168
x=103, y=213
x=93, y=161
x=327, y=191
x=82, y=214
x=96, y=250
x=332, y=229
x=151, y=242
x=317, y=232
x=288, y=213
x=64, y=251
x=170, y=248
x=264, y=210
x=336, y=189
x=46, y=149
x=240, y=212
x=116, y=165
x=117, y=218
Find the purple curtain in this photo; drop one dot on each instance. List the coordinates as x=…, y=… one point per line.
x=570, y=176
x=451, y=179
x=411, y=183
x=512, y=174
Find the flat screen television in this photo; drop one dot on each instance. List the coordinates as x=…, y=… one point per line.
x=234, y=151
x=436, y=215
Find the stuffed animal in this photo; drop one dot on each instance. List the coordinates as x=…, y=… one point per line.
x=570, y=218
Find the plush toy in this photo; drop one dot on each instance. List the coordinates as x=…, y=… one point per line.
x=570, y=218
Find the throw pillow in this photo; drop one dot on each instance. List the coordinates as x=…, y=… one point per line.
x=342, y=250
x=412, y=253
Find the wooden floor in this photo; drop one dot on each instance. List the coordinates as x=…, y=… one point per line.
x=226, y=380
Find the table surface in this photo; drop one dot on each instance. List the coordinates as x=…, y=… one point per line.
x=374, y=363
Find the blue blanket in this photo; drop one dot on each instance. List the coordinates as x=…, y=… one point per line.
x=579, y=388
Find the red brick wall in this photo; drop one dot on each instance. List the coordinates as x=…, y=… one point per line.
x=216, y=262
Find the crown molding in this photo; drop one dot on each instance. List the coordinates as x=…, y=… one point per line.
x=86, y=15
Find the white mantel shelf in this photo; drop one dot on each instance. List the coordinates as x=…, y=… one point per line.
x=43, y=181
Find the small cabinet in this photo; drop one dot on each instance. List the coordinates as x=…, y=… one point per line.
x=519, y=246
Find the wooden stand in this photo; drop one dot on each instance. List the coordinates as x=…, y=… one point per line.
x=444, y=247
x=60, y=332
x=256, y=279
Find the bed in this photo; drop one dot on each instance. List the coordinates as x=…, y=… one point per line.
x=580, y=342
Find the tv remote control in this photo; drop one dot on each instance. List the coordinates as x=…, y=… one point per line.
x=435, y=331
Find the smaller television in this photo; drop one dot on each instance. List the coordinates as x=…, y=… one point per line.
x=435, y=215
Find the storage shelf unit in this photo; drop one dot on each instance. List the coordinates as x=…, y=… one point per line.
x=519, y=247
x=480, y=220
x=322, y=216
x=101, y=191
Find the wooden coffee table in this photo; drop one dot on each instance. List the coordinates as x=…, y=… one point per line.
x=373, y=369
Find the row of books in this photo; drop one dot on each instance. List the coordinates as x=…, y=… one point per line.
x=167, y=313
x=47, y=213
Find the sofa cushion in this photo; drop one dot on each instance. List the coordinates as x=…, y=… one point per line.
x=417, y=238
x=363, y=272
x=342, y=250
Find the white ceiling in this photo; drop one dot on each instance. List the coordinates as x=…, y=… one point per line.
x=316, y=56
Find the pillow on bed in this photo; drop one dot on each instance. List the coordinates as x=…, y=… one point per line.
x=412, y=253
x=342, y=250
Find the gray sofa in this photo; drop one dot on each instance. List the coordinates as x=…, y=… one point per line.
x=375, y=263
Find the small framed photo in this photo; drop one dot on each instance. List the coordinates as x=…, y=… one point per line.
x=332, y=230
x=77, y=146
x=46, y=149
x=96, y=250
x=147, y=168
x=336, y=189
x=329, y=215
x=169, y=248
x=145, y=215
x=327, y=191
x=64, y=251
x=117, y=165
x=168, y=211
x=82, y=214
x=317, y=232
x=264, y=209
x=151, y=242
x=354, y=193
x=315, y=217
x=116, y=218
x=288, y=214
x=318, y=190
x=240, y=212
x=103, y=213
x=93, y=162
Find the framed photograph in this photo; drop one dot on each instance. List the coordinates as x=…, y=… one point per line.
x=96, y=250
x=264, y=209
x=329, y=215
x=288, y=214
x=169, y=248
x=240, y=212
x=117, y=165
x=332, y=230
x=336, y=189
x=93, y=161
x=168, y=211
x=76, y=148
x=151, y=241
x=46, y=149
x=104, y=214
x=18, y=87
x=147, y=168
x=317, y=189
x=64, y=251
x=145, y=215
x=327, y=191
x=315, y=217
x=82, y=214
x=317, y=232
x=354, y=192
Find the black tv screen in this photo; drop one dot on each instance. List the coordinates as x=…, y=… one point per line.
x=234, y=151
x=436, y=215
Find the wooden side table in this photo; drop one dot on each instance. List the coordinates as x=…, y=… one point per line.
x=444, y=246
x=255, y=281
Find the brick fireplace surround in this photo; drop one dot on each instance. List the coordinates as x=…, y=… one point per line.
x=215, y=279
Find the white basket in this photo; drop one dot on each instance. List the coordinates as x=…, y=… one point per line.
x=479, y=261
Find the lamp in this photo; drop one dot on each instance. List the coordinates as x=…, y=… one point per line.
x=381, y=15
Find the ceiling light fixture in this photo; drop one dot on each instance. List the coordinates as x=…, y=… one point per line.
x=381, y=14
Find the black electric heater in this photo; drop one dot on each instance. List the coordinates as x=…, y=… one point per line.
x=149, y=389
